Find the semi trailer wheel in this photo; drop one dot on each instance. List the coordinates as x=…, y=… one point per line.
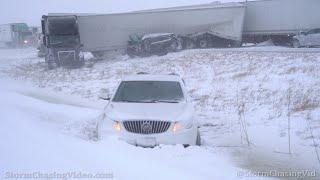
x=174, y=46
x=188, y=43
x=203, y=43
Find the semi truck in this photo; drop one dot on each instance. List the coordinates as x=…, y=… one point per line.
x=61, y=39
x=15, y=35
x=67, y=35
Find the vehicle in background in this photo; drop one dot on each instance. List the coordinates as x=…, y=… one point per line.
x=307, y=39
x=61, y=39
x=148, y=110
x=279, y=20
x=15, y=35
x=159, y=44
x=34, y=38
x=41, y=49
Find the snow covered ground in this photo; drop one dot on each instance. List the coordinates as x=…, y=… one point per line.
x=48, y=116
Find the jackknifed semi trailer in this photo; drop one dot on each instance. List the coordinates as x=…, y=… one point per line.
x=203, y=26
x=198, y=23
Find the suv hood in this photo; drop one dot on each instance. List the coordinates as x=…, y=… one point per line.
x=149, y=111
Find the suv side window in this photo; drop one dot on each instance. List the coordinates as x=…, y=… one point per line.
x=317, y=31
x=310, y=32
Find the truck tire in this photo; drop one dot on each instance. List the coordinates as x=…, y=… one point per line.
x=180, y=43
x=147, y=46
x=51, y=63
x=162, y=52
x=174, y=46
x=236, y=44
x=98, y=54
x=81, y=61
x=188, y=43
x=130, y=54
x=296, y=43
x=203, y=43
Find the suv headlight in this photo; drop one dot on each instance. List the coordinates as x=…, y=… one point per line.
x=177, y=126
x=117, y=126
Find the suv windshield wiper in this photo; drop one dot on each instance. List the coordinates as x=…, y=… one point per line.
x=134, y=101
x=164, y=101
x=152, y=101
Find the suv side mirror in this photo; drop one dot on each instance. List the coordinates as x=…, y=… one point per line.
x=105, y=95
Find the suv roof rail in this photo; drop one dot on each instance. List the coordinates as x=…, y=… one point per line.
x=142, y=73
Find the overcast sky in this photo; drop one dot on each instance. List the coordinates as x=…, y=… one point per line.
x=30, y=11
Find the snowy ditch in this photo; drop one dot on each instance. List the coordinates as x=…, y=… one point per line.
x=265, y=84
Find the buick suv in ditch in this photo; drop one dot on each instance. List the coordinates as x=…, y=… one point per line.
x=148, y=110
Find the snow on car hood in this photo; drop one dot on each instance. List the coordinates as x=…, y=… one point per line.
x=149, y=111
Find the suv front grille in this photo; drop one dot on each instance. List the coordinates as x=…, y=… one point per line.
x=146, y=127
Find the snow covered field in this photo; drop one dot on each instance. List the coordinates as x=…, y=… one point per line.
x=48, y=116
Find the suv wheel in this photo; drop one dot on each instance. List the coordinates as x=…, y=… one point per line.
x=147, y=46
x=203, y=43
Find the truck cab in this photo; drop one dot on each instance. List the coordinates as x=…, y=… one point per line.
x=62, y=41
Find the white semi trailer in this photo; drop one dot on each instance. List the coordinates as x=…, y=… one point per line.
x=279, y=20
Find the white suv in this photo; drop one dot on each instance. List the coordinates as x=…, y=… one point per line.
x=148, y=110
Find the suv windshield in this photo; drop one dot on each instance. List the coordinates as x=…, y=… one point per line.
x=149, y=92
